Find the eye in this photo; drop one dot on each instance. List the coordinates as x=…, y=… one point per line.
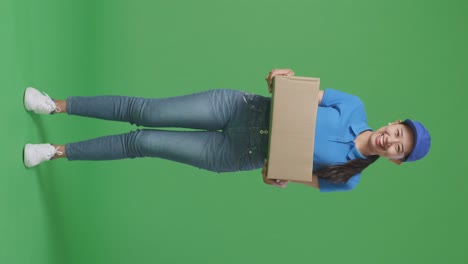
x=398, y=133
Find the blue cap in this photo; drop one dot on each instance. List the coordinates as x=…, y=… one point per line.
x=422, y=140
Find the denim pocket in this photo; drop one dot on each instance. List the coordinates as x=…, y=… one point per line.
x=251, y=159
x=253, y=101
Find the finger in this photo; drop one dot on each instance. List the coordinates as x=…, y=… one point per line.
x=281, y=71
x=285, y=74
x=268, y=80
x=269, y=76
x=275, y=72
x=282, y=184
x=278, y=73
x=269, y=181
x=272, y=76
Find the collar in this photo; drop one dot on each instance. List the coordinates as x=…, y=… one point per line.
x=354, y=153
x=357, y=128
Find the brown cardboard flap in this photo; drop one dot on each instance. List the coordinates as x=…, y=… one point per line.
x=294, y=107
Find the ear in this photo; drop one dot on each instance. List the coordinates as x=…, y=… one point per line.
x=396, y=161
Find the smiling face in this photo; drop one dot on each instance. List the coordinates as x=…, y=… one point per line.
x=394, y=141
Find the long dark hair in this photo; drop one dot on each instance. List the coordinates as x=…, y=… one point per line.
x=341, y=173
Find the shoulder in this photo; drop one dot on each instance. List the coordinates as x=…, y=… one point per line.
x=348, y=105
x=332, y=97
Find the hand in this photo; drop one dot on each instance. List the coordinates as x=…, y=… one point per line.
x=273, y=73
x=277, y=183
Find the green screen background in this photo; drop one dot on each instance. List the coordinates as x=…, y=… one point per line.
x=403, y=58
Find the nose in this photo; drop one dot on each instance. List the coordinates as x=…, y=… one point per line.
x=391, y=140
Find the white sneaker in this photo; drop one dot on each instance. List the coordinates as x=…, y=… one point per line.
x=37, y=153
x=39, y=103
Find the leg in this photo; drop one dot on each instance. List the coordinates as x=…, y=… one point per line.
x=242, y=146
x=210, y=150
x=61, y=153
x=61, y=106
x=210, y=110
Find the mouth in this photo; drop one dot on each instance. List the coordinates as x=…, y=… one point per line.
x=379, y=141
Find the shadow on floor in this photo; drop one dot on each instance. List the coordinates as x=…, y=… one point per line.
x=49, y=198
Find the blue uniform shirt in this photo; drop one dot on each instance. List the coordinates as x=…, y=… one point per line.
x=340, y=118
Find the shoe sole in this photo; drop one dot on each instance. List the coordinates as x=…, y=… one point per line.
x=26, y=150
x=26, y=97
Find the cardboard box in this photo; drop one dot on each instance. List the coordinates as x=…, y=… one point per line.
x=294, y=105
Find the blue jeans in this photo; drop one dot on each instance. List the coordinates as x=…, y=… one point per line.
x=235, y=128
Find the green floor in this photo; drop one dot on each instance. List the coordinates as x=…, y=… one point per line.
x=403, y=58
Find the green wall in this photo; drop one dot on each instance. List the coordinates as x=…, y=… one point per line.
x=403, y=58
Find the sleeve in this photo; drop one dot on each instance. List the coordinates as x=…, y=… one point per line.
x=326, y=186
x=333, y=97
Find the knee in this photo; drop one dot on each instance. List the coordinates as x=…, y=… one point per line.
x=136, y=107
x=133, y=142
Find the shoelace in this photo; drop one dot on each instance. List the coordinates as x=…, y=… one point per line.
x=52, y=154
x=56, y=108
x=60, y=153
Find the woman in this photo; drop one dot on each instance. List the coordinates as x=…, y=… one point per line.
x=235, y=135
